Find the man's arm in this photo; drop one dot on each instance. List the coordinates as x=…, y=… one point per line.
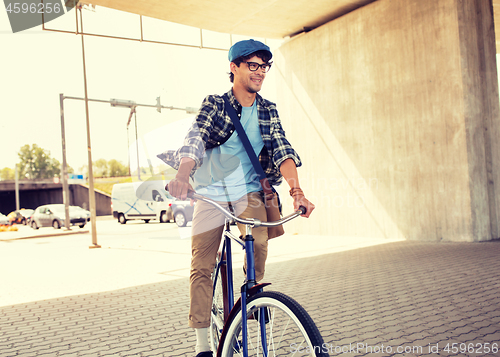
x=289, y=172
x=179, y=186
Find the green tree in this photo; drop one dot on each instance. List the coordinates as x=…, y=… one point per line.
x=36, y=163
x=100, y=168
x=103, y=168
x=116, y=168
x=7, y=174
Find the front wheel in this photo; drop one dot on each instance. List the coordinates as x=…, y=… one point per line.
x=122, y=219
x=164, y=217
x=180, y=219
x=286, y=329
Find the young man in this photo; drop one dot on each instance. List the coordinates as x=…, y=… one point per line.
x=215, y=158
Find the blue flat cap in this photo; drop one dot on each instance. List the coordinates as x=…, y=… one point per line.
x=246, y=47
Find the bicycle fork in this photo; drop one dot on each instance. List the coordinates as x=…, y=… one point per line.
x=248, y=289
x=249, y=248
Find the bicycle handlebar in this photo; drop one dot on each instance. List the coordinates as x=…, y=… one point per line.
x=250, y=221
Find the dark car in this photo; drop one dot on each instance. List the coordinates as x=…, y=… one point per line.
x=54, y=215
x=182, y=212
x=21, y=216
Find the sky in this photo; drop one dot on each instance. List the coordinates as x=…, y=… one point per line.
x=36, y=66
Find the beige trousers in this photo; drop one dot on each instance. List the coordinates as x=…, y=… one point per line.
x=207, y=228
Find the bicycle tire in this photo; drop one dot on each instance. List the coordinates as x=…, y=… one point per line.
x=300, y=335
x=219, y=310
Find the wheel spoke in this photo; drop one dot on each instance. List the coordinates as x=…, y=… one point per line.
x=271, y=324
x=288, y=329
x=283, y=333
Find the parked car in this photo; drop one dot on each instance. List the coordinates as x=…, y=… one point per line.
x=20, y=216
x=54, y=215
x=4, y=220
x=83, y=210
x=182, y=212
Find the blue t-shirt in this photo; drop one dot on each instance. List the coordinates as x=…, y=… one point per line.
x=227, y=174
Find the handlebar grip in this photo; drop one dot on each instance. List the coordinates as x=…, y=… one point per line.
x=303, y=209
x=190, y=193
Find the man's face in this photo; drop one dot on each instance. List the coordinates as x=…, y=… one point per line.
x=251, y=81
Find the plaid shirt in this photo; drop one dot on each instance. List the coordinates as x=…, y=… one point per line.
x=213, y=127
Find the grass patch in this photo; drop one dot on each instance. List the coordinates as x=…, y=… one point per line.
x=105, y=184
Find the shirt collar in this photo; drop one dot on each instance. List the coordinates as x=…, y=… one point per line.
x=234, y=102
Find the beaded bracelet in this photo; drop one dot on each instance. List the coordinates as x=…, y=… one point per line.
x=296, y=191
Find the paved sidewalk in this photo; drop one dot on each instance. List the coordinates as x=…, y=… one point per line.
x=26, y=232
x=414, y=298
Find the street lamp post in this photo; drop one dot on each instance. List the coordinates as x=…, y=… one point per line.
x=114, y=103
x=92, y=207
x=64, y=170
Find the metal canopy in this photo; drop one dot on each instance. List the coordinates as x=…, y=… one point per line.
x=259, y=18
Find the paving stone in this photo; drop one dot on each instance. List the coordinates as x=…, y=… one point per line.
x=398, y=294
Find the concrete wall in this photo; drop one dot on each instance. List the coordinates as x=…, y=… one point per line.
x=32, y=195
x=394, y=110
x=80, y=195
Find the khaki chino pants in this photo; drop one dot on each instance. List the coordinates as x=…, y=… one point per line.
x=207, y=228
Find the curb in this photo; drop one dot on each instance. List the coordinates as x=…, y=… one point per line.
x=45, y=235
x=61, y=232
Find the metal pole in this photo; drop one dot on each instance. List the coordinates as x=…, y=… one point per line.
x=16, y=177
x=137, y=147
x=91, y=173
x=64, y=167
x=187, y=109
x=137, y=39
x=128, y=151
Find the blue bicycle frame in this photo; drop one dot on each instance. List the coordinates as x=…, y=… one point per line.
x=226, y=259
x=250, y=286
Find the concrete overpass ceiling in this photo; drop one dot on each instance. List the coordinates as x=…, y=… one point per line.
x=259, y=18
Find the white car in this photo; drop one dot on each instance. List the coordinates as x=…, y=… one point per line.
x=54, y=215
x=4, y=220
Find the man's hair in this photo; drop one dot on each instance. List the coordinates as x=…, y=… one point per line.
x=263, y=55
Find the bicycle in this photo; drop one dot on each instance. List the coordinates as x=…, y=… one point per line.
x=272, y=323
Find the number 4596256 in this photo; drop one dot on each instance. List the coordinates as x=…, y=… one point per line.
x=33, y=8
x=471, y=347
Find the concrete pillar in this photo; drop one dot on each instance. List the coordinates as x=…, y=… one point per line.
x=394, y=110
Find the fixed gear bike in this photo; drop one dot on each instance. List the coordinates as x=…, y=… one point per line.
x=270, y=323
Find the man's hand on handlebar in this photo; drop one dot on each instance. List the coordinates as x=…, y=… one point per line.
x=300, y=200
x=179, y=187
x=303, y=201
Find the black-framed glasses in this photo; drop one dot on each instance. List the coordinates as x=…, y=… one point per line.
x=253, y=66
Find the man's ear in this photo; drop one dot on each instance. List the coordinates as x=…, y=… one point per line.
x=232, y=67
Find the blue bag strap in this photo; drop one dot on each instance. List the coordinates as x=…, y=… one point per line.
x=248, y=147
